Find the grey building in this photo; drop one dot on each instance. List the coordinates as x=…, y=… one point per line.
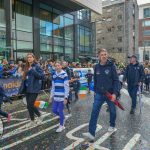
x=117, y=28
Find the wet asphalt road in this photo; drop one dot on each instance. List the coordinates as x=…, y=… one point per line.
x=133, y=131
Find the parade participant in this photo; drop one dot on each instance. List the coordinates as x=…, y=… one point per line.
x=2, y=95
x=89, y=77
x=105, y=80
x=59, y=93
x=31, y=85
x=67, y=69
x=134, y=75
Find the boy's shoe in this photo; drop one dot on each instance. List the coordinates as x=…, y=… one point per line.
x=88, y=136
x=31, y=124
x=60, y=129
x=9, y=117
x=111, y=129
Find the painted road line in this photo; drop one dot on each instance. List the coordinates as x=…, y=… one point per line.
x=96, y=144
x=77, y=139
x=5, y=119
x=16, y=119
x=16, y=112
x=17, y=124
x=23, y=128
x=132, y=142
x=28, y=138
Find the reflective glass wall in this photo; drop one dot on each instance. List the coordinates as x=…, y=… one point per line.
x=22, y=27
x=44, y=30
x=2, y=29
x=56, y=33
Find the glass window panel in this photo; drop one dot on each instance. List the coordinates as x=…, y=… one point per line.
x=68, y=54
x=87, y=38
x=146, y=12
x=69, y=32
x=58, y=49
x=146, y=32
x=45, y=23
x=2, y=14
x=45, y=39
x=58, y=24
x=2, y=43
x=22, y=45
x=45, y=47
x=59, y=41
x=24, y=23
x=81, y=37
x=22, y=55
x=24, y=36
x=69, y=43
x=146, y=23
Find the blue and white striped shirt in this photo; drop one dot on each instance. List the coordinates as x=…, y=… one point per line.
x=60, y=86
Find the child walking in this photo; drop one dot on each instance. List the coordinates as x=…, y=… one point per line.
x=59, y=93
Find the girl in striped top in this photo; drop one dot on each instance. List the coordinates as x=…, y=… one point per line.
x=59, y=93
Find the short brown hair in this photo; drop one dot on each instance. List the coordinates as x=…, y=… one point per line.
x=101, y=50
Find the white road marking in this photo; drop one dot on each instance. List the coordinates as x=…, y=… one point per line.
x=101, y=140
x=16, y=119
x=28, y=138
x=17, y=124
x=19, y=111
x=132, y=142
x=23, y=128
x=77, y=139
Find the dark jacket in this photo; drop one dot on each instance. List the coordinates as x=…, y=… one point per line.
x=134, y=74
x=33, y=82
x=106, y=78
x=2, y=95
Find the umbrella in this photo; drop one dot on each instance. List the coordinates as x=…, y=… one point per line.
x=116, y=102
x=140, y=99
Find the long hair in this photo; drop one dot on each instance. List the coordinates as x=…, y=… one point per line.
x=27, y=65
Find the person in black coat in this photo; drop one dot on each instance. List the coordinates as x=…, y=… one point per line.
x=31, y=86
x=134, y=75
x=2, y=95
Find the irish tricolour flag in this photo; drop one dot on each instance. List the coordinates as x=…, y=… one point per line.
x=83, y=92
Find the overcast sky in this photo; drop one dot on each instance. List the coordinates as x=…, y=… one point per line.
x=143, y=1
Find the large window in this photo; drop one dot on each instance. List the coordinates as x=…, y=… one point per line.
x=146, y=23
x=2, y=29
x=46, y=28
x=146, y=43
x=22, y=26
x=83, y=14
x=84, y=39
x=146, y=33
x=146, y=12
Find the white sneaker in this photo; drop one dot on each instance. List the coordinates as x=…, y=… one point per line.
x=39, y=120
x=31, y=124
x=111, y=129
x=88, y=136
x=60, y=129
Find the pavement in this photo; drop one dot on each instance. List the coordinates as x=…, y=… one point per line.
x=133, y=131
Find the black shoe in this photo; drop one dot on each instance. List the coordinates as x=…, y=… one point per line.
x=132, y=111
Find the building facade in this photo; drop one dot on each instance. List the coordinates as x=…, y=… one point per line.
x=144, y=32
x=48, y=28
x=117, y=28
